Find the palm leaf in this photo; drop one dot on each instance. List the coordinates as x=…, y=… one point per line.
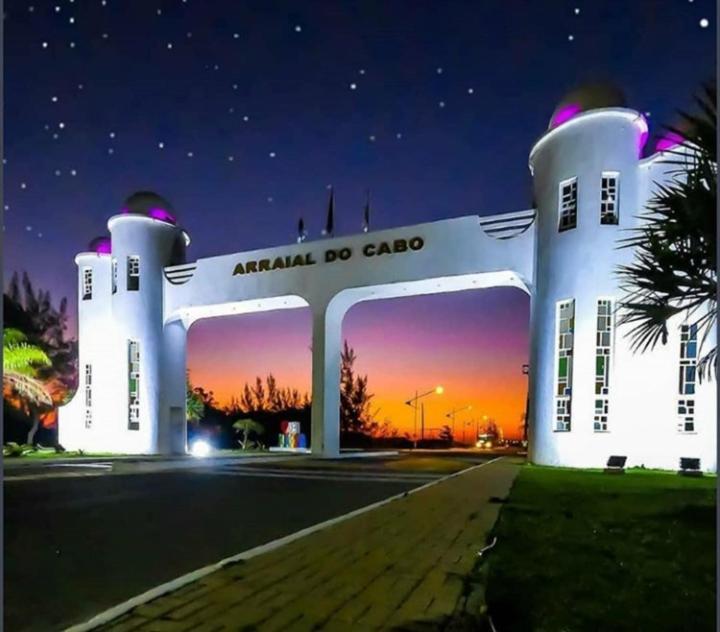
x=27, y=389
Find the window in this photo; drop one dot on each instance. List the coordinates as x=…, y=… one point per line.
x=687, y=378
x=568, y=205
x=86, y=284
x=88, y=395
x=603, y=339
x=563, y=390
x=609, y=199
x=114, y=275
x=133, y=273
x=134, y=385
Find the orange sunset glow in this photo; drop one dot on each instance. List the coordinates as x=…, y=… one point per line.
x=472, y=343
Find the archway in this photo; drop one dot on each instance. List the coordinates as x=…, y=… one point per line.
x=472, y=343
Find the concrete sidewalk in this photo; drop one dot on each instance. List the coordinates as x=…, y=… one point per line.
x=403, y=565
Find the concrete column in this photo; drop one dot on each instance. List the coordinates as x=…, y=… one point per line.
x=172, y=431
x=326, y=347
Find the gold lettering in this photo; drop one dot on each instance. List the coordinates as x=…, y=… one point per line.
x=309, y=259
x=238, y=269
x=399, y=245
x=251, y=266
x=298, y=261
x=369, y=250
x=264, y=265
x=330, y=255
x=278, y=263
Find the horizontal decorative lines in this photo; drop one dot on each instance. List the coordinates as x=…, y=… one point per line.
x=177, y=275
x=507, y=225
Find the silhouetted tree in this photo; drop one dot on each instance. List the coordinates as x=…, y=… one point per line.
x=446, y=434
x=259, y=395
x=31, y=312
x=354, y=397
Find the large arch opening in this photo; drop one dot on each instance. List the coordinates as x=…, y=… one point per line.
x=249, y=360
x=472, y=343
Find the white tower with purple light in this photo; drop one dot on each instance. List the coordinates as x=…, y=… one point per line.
x=120, y=298
x=590, y=396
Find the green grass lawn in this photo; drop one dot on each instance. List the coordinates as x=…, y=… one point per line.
x=580, y=550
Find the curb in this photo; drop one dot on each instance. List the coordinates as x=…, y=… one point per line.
x=116, y=611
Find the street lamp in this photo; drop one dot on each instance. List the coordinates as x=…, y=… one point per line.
x=413, y=403
x=455, y=411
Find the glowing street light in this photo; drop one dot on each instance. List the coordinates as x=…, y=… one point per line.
x=455, y=411
x=413, y=403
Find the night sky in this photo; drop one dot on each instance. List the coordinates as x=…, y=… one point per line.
x=243, y=113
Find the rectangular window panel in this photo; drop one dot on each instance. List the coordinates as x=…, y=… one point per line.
x=88, y=395
x=133, y=273
x=134, y=385
x=563, y=389
x=114, y=275
x=568, y=205
x=87, y=284
x=603, y=339
x=609, y=198
x=687, y=372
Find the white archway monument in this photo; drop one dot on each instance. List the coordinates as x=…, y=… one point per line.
x=590, y=396
x=332, y=275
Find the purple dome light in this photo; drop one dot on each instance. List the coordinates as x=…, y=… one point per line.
x=162, y=214
x=101, y=245
x=565, y=113
x=668, y=141
x=151, y=205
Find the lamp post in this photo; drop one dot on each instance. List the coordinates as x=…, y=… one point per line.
x=413, y=403
x=453, y=412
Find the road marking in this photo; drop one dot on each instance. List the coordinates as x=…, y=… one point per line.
x=117, y=611
x=101, y=466
x=330, y=471
x=34, y=477
x=318, y=476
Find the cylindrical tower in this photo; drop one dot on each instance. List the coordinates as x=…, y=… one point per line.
x=145, y=239
x=585, y=170
x=78, y=427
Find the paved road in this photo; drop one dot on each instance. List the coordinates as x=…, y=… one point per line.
x=76, y=546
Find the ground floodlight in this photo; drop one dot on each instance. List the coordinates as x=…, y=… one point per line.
x=690, y=466
x=616, y=465
x=200, y=448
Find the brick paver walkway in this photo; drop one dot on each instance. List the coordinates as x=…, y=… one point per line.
x=395, y=567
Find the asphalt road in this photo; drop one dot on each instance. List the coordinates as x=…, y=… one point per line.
x=76, y=546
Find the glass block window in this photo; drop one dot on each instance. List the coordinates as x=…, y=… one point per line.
x=563, y=382
x=134, y=385
x=133, y=273
x=687, y=377
x=114, y=275
x=87, y=284
x=568, y=205
x=609, y=198
x=686, y=415
x=603, y=341
x=88, y=395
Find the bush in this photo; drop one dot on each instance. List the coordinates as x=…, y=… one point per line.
x=12, y=449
